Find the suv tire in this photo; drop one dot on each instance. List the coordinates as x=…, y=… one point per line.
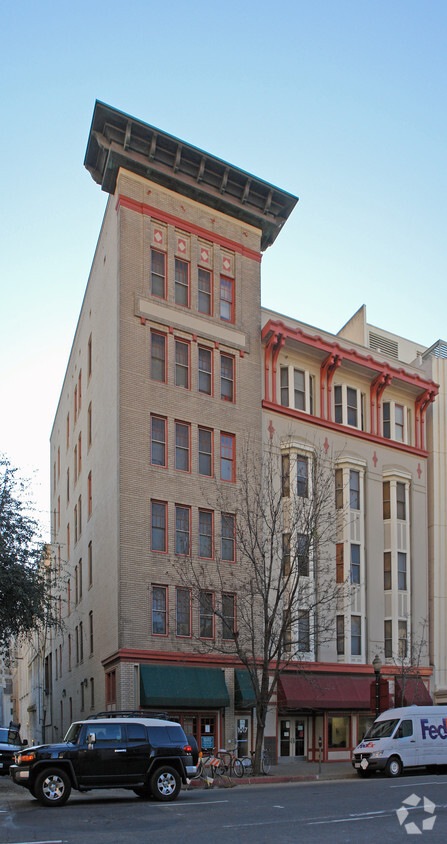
x=165, y=783
x=52, y=787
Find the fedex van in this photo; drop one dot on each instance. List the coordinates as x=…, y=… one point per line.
x=408, y=737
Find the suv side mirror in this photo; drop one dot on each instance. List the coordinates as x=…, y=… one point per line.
x=91, y=738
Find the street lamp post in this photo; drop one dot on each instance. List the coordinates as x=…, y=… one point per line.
x=377, y=665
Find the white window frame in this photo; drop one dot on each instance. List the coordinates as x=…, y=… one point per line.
x=309, y=388
x=392, y=421
x=361, y=410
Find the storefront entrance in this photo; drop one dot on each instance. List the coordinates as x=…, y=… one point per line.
x=292, y=738
x=202, y=727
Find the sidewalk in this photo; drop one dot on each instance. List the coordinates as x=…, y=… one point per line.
x=293, y=771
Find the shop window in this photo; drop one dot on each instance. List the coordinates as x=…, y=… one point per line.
x=339, y=731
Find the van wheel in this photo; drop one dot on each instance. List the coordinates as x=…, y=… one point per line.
x=394, y=767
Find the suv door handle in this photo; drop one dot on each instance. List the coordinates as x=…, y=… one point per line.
x=120, y=750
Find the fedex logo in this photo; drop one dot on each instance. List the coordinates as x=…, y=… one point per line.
x=433, y=730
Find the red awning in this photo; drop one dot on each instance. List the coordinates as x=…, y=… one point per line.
x=324, y=691
x=411, y=690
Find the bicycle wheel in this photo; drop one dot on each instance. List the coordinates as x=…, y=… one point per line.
x=219, y=769
x=265, y=763
x=247, y=766
x=238, y=768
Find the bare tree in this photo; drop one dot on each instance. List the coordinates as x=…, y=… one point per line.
x=271, y=587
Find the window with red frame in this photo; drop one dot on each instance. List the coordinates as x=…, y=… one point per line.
x=158, y=357
x=205, y=452
x=205, y=295
x=182, y=364
x=206, y=534
x=205, y=370
x=181, y=292
x=111, y=687
x=228, y=616
x=158, y=274
x=183, y=612
x=227, y=457
x=206, y=615
x=228, y=537
x=158, y=526
x=182, y=440
x=159, y=610
x=227, y=377
x=182, y=529
x=227, y=299
x=158, y=441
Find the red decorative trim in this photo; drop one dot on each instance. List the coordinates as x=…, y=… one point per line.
x=143, y=320
x=163, y=216
x=333, y=426
x=241, y=353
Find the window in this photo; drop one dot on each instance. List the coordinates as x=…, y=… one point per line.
x=228, y=537
x=76, y=585
x=77, y=643
x=386, y=499
x=81, y=641
x=158, y=441
x=158, y=274
x=205, y=300
x=182, y=436
x=182, y=529
x=227, y=457
x=388, y=639
x=340, y=635
x=304, y=631
x=158, y=526
x=205, y=452
x=402, y=639
x=75, y=403
x=79, y=454
x=338, y=404
x=227, y=299
x=205, y=370
x=339, y=563
x=285, y=475
x=80, y=390
x=181, y=291
x=206, y=534
x=393, y=416
x=339, y=731
x=356, y=635
x=206, y=615
x=354, y=489
x=92, y=693
x=387, y=570
x=299, y=389
x=159, y=611
x=286, y=554
x=386, y=420
x=399, y=423
x=349, y=406
x=89, y=489
x=284, y=376
x=355, y=563
x=69, y=651
x=75, y=463
x=68, y=596
x=90, y=564
x=400, y=496
x=80, y=578
x=68, y=485
x=68, y=541
x=351, y=396
x=90, y=630
x=183, y=612
x=182, y=364
x=401, y=571
x=302, y=553
x=79, y=515
x=68, y=430
x=158, y=357
x=89, y=425
x=227, y=378
x=339, y=489
x=302, y=467
x=111, y=686
x=228, y=616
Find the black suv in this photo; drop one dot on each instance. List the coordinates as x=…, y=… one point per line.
x=10, y=744
x=148, y=755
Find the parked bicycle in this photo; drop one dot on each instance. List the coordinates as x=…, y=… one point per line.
x=231, y=763
x=208, y=767
x=248, y=763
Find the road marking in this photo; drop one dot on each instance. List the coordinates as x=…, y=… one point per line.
x=195, y=803
x=56, y=841
x=420, y=784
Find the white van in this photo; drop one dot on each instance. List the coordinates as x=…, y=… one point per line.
x=408, y=737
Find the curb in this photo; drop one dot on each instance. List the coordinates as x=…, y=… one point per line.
x=227, y=782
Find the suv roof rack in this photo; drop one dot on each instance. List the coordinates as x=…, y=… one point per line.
x=131, y=713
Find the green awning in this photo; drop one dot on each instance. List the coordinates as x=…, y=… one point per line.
x=165, y=685
x=244, y=696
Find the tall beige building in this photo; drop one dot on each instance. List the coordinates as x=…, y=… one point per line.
x=162, y=383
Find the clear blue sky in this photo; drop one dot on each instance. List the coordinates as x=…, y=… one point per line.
x=341, y=102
